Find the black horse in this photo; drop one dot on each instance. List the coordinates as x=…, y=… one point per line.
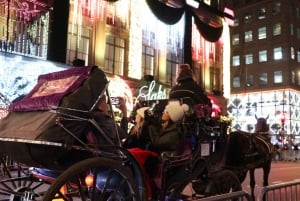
x=249, y=151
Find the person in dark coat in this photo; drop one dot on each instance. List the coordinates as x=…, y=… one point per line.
x=107, y=123
x=187, y=87
x=165, y=137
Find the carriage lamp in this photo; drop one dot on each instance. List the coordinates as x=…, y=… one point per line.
x=89, y=180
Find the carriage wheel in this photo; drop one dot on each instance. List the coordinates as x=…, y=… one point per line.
x=223, y=182
x=94, y=179
x=20, y=184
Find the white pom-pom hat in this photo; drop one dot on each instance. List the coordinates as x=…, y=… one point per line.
x=176, y=111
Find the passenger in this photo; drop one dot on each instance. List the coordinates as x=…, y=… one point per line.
x=106, y=121
x=165, y=136
x=187, y=87
x=138, y=136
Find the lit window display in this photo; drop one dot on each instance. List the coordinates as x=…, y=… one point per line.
x=282, y=107
x=18, y=74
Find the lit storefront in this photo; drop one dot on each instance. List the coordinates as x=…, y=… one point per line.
x=131, y=43
x=281, y=107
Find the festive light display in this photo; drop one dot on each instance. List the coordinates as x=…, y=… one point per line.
x=277, y=105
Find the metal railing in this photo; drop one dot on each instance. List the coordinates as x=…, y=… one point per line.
x=288, y=191
x=237, y=196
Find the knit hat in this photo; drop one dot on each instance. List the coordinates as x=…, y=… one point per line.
x=176, y=111
x=185, y=72
x=141, y=111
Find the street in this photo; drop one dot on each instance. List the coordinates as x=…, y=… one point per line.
x=281, y=171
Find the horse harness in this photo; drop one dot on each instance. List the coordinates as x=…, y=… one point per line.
x=262, y=138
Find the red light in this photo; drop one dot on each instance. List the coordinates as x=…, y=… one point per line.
x=282, y=119
x=89, y=180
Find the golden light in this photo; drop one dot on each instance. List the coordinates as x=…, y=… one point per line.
x=89, y=180
x=226, y=59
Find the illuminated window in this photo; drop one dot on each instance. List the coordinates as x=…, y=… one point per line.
x=293, y=56
x=247, y=18
x=248, y=36
x=262, y=56
x=276, y=29
x=298, y=78
x=276, y=8
x=261, y=13
x=114, y=55
x=249, y=80
x=235, y=39
x=277, y=53
x=277, y=77
x=248, y=58
x=293, y=77
x=214, y=79
x=172, y=65
x=236, y=22
x=298, y=56
x=263, y=78
x=236, y=82
x=236, y=60
x=148, y=60
x=262, y=33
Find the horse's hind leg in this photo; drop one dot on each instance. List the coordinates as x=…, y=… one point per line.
x=252, y=182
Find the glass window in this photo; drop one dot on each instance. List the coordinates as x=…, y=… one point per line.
x=293, y=77
x=277, y=53
x=148, y=60
x=293, y=56
x=263, y=78
x=248, y=59
x=261, y=13
x=277, y=77
x=114, y=55
x=172, y=65
x=235, y=39
x=248, y=36
x=249, y=80
x=236, y=22
x=276, y=29
x=292, y=29
x=298, y=78
x=248, y=18
x=298, y=56
x=298, y=33
x=262, y=56
x=276, y=8
x=262, y=33
x=236, y=60
x=214, y=79
x=236, y=82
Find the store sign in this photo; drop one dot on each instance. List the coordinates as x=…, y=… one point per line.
x=152, y=92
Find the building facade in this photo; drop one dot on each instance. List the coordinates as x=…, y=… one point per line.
x=265, y=65
x=132, y=43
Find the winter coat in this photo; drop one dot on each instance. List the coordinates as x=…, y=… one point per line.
x=164, y=140
x=187, y=87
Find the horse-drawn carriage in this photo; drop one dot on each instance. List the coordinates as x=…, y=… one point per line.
x=46, y=133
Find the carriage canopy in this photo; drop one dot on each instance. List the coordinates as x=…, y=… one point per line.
x=31, y=122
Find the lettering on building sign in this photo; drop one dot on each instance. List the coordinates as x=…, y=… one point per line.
x=149, y=92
